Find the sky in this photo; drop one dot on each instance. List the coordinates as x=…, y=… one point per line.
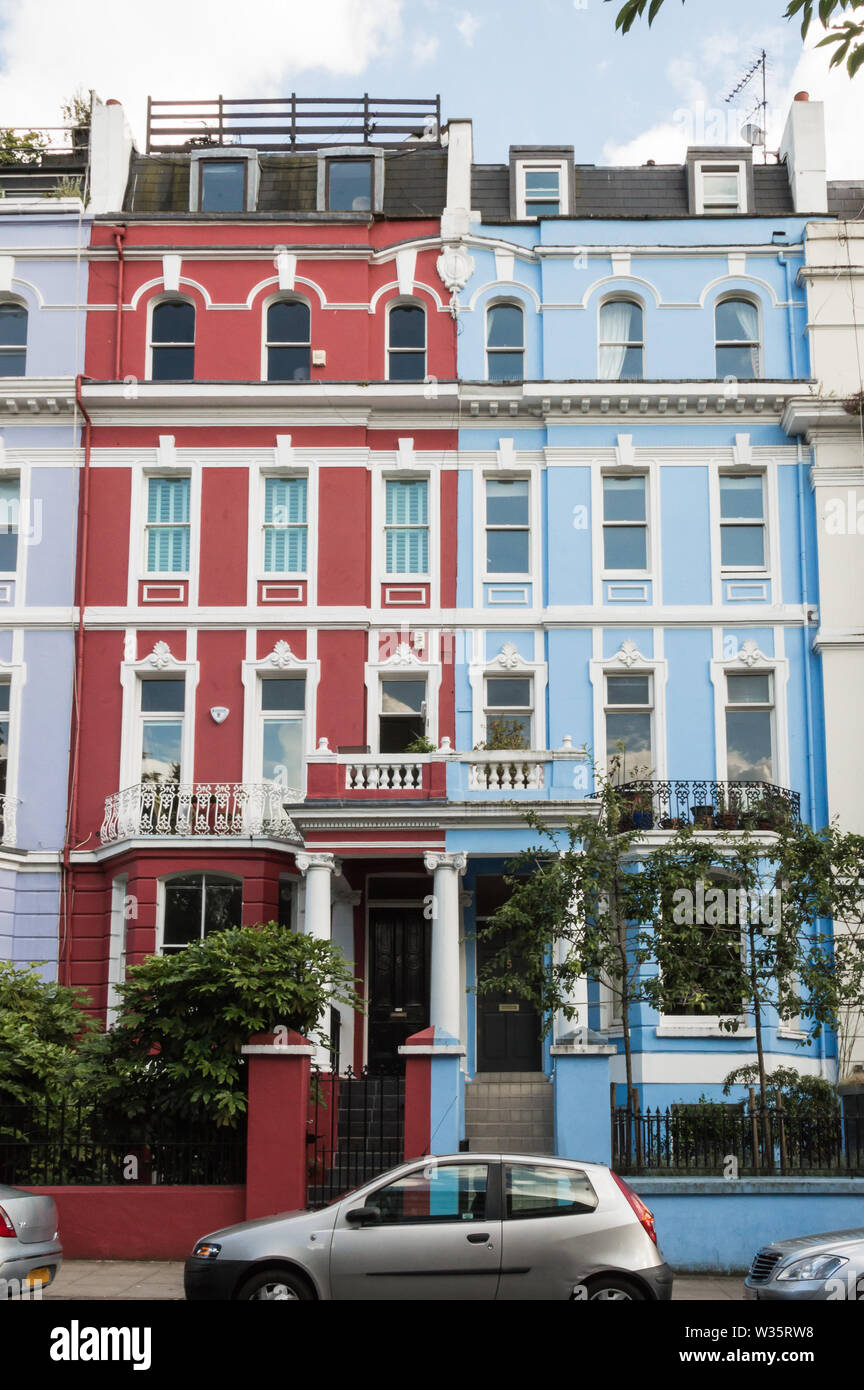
x=525, y=71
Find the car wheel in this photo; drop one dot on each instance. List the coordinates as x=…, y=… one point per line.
x=274, y=1285
x=611, y=1288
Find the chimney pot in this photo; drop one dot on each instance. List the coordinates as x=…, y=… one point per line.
x=802, y=96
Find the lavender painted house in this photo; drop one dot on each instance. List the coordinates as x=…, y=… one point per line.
x=43, y=287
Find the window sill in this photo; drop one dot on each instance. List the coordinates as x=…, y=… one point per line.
x=701, y=1028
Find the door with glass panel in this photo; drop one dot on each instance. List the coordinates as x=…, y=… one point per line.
x=431, y=1234
x=162, y=706
x=749, y=727
x=283, y=705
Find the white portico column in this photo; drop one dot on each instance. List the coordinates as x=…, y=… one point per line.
x=319, y=870
x=444, y=991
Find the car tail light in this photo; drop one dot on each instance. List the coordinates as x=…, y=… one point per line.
x=646, y=1217
x=6, y=1227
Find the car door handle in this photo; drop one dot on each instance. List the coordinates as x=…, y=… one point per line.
x=477, y=1237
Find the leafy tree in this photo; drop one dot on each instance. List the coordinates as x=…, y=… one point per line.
x=731, y=924
x=175, y=1047
x=42, y=1025
x=847, y=36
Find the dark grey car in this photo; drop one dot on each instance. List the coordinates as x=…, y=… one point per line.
x=460, y=1227
x=826, y=1266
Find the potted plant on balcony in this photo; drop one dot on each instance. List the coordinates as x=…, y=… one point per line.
x=421, y=744
x=727, y=815
x=635, y=796
x=768, y=810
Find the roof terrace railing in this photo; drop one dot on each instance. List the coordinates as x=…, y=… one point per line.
x=276, y=123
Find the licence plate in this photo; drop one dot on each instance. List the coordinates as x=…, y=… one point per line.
x=38, y=1276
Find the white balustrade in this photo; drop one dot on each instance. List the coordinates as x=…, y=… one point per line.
x=199, y=808
x=378, y=774
x=507, y=772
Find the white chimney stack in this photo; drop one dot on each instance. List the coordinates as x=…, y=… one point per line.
x=803, y=150
x=111, y=147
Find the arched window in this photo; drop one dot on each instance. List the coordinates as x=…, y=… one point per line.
x=172, y=341
x=13, y=339
x=622, y=341
x=406, y=356
x=289, y=350
x=196, y=905
x=737, y=339
x=505, y=343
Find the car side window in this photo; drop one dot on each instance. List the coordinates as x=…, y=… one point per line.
x=436, y=1193
x=534, y=1190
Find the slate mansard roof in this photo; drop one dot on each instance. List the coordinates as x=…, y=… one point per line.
x=415, y=184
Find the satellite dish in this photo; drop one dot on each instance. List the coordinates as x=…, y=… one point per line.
x=753, y=135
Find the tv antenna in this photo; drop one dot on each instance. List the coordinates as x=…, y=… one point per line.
x=755, y=133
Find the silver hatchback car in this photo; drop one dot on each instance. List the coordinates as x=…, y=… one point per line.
x=460, y=1227
x=30, y=1253
x=827, y=1266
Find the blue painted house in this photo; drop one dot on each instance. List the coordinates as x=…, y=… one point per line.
x=637, y=543
x=43, y=288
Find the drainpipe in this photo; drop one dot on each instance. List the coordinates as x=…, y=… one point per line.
x=119, y=234
x=80, y=600
x=781, y=258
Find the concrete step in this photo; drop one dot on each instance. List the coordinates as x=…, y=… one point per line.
x=528, y=1129
x=504, y=1144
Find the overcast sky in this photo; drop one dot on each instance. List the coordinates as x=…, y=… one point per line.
x=526, y=71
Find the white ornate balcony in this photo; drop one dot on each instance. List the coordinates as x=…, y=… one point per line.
x=510, y=772
x=367, y=773
x=199, y=809
x=8, y=820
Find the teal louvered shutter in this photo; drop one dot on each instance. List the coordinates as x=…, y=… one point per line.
x=168, y=526
x=406, y=524
x=285, y=525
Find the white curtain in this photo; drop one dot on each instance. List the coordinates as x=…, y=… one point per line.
x=746, y=320
x=614, y=332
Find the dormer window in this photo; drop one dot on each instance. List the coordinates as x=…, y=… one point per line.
x=223, y=185
x=721, y=188
x=541, y=189
x=349, y=185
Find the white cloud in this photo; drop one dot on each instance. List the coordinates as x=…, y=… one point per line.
x=705, y=118
x=174, y=50
x=425, y=49
x=467, y=27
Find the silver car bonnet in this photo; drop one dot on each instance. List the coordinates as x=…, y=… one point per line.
x=825, y=1241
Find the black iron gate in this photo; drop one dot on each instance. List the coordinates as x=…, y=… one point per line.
x=356, y=1131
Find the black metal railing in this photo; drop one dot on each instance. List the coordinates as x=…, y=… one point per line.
x=274, y=123
x=736, y=1140
x=707, y=805
x=74, y=1143
x=356, y=1131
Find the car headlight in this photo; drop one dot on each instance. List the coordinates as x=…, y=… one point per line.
x=206, y=1250
x=816, y=1267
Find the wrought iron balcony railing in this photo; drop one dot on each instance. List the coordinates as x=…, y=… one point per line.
x=707, y=805
x=199, y=809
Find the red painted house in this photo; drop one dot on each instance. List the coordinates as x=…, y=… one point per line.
x=267, y=548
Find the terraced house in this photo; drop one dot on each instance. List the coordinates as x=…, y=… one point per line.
x=414, y=491
x=44, y=235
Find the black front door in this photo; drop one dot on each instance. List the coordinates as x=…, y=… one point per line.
x=508, y=1032
x=399, y=945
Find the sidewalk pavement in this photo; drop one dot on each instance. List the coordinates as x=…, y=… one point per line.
x=104, y=1280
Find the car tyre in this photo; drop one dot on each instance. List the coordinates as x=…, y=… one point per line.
x=613, y=1288
x=276, y=1286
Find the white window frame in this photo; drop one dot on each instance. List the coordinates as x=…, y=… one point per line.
x=146, y=573
x=765, y=568
x=274, y=576
x=508, y=662
x=407, y=576
x=602, y=342
x=284, y=663
x=340, y=152
x=166, y=717
x=494, y=352
x=511, y=712
x=646, y=475
x=721, y=166
x=132, y=673
x=650, y=709
x=526, y=166
x=14, y=674
x=288, y=716
x=286, y=297
x=630, y=661
x=508, y=476
x=404, y=664
x=20, y=304
x=9, y=475
x=761, y=706
x=750, y=661
x=224, y=154
x=117, y=948
x=161, y=904
x=172, y=297
x=407, y=302
x=757, y=343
